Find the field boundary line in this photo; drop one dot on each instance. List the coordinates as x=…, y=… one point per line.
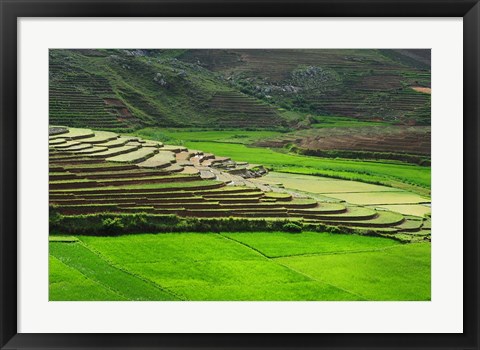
x=292, y=269
x=246, y=245
x=118, y=267
x=324, y=282
x=107, y=287
x=339, y=252
x=327, y=283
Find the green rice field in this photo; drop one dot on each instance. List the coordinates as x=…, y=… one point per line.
x=238, y=266
x=179, y=136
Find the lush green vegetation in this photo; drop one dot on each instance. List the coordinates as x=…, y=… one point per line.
x=67, y=283
x=179, y=136
x=140, y=220
x=342, y=122
x=239, y=266
x=400, y=273
x=82, y=260
x=279, y=244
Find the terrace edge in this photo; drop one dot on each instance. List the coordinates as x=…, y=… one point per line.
x=11, y=10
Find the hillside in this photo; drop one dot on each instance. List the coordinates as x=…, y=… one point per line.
x=269, y=89
x=367, y=84
x=121, y=89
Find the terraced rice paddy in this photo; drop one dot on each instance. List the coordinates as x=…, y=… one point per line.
x=379, y=198
x=353, y=192
x=239, y=266
x=319, y=184
x=408, y=209
x=95, y=182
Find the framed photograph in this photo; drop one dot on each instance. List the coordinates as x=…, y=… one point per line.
x=208, y=174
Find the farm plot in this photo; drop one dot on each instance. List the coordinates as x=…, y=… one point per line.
x=239, y=266
x=73, y=134
x=407, y=209
x=224, y=143
x=281, y=244
x=378, y=198
x=399, y=175
x=354, y=192
x=136, y=156
x=322, y=185
x=160, y=160
x=227, y=136
x=67, y=283
x=399, y=273
x=79, y=259
x=160, y=183
x=377, y=142
x=101, y=137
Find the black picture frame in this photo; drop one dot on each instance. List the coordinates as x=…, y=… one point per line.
x=11, y=10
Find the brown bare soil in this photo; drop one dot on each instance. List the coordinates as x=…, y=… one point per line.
x=424, y=90
x=395, y=139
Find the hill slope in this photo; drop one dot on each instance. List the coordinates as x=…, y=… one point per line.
x=125, y=89
x=128, y=89
x=355, y=83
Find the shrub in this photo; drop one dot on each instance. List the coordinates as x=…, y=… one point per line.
x=112, y=226
x=103, y=224
x=292, y=227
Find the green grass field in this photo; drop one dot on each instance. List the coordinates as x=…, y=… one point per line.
x=342, y=122
x=238, y=266
x=178, y=136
